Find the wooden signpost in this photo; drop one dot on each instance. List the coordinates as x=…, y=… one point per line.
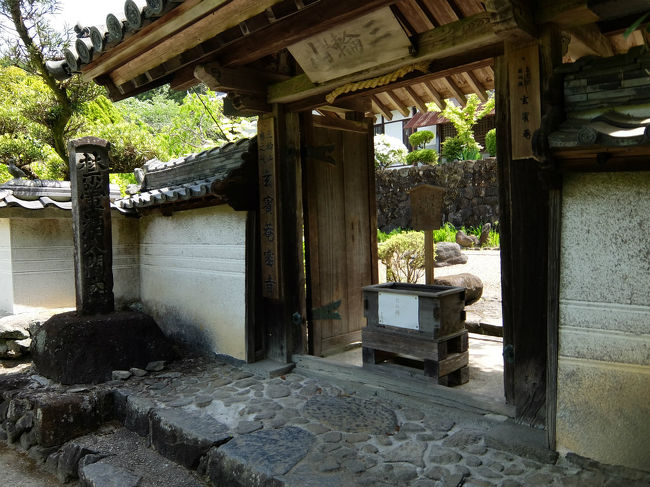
x=426, y=215
x=525, y=105
x=268, y=208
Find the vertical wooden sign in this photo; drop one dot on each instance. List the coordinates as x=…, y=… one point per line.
x=525, y=100
x=268, y=185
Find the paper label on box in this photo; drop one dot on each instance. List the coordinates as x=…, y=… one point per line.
x=401, y=310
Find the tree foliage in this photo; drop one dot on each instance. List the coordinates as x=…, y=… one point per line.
x=403, y=256
x=39, y=114
x=389, y=151
x=421, y=138
x=463, y=146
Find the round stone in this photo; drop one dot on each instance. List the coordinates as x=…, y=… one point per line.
x=350, y=414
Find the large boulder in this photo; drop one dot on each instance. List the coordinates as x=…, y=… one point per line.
x=472, y=284
x=465, y=240
x=74, y=349
x=448, y=253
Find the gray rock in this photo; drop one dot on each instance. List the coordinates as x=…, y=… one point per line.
x=101, y=474
x=258, y=458
x=472, y=284
x=332, y=437
x=410, y=452
x=444, y=456
x=16, y=327
x=138, y=372
x=448, y=253
x=40, y=380
x=245, y=427
x=351, y=414
x=68, y=461
x=136, y=417
x=185, y=436
x=77, y=349
x=277, y=391
x=465, y=240
x=485, y=234
x=411, y=428
x=155, y=366
x=463, y=438
x=120, y=374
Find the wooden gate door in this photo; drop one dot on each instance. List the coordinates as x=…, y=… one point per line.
x=340, y=229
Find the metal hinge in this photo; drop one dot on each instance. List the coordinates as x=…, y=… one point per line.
x=327, y=312
x=320, y=153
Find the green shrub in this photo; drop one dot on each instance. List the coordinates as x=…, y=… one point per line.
x=452, y=149
x=421, y=138
x=424, y=156
x=382, y=236
x=491, y=142
x=403, y=256
x=447, y=233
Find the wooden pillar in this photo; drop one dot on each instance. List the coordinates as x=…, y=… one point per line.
x=428, y=257
x=524, y=217
x=283, y=297
x=552, y=96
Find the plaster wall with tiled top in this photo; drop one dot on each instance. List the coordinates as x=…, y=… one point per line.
x=604, y=334
x=193, y=277
x=37, y=263
x=6, y=287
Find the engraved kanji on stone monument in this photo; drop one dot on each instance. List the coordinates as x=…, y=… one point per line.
x=91, y=220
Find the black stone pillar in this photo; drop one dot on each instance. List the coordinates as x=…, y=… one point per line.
x=91, y=220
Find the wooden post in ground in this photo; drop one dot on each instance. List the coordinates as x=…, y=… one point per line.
x=428, y=256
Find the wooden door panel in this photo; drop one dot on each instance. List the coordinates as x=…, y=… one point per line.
x=338, y=236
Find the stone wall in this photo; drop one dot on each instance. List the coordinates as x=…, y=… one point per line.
x=603, y=385
x=471, y=198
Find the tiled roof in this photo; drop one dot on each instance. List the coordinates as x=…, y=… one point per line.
x=186, y=178
x=37, y=194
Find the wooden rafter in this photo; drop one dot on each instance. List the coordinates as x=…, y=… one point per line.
x=173, y=21
x=434, y=94
x=418, y=18
x=593, y=41
x=403, y=109
x=383, y=109
x=229, y=15
x=453, y=87
x=476, y=85
x=241, y=80
x=442, y=11
x=417, y=101
x=312, y=20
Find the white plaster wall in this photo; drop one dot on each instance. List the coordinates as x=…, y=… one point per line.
x=126, y=260
x=6, y=279
x=604, y=335
x=42, y=259
x=43, y=262
x=192, y=277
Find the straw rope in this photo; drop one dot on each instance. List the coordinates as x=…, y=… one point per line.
x=375, y=82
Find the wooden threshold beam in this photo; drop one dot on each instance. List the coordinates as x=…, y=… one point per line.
x=229, y=15
x=453, y=87
x=463, y=38
x=311, y=20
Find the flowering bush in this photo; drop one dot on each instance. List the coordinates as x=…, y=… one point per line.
x=389, y=151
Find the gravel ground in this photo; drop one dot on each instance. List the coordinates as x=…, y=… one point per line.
x=485, y=264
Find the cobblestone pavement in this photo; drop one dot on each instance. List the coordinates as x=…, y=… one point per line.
x=305, y=432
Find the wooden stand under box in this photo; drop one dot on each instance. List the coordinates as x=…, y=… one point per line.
x=419, y=321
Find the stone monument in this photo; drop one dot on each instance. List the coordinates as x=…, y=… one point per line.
x=87, y=345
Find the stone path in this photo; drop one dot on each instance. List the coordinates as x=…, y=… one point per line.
x=235, y=428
